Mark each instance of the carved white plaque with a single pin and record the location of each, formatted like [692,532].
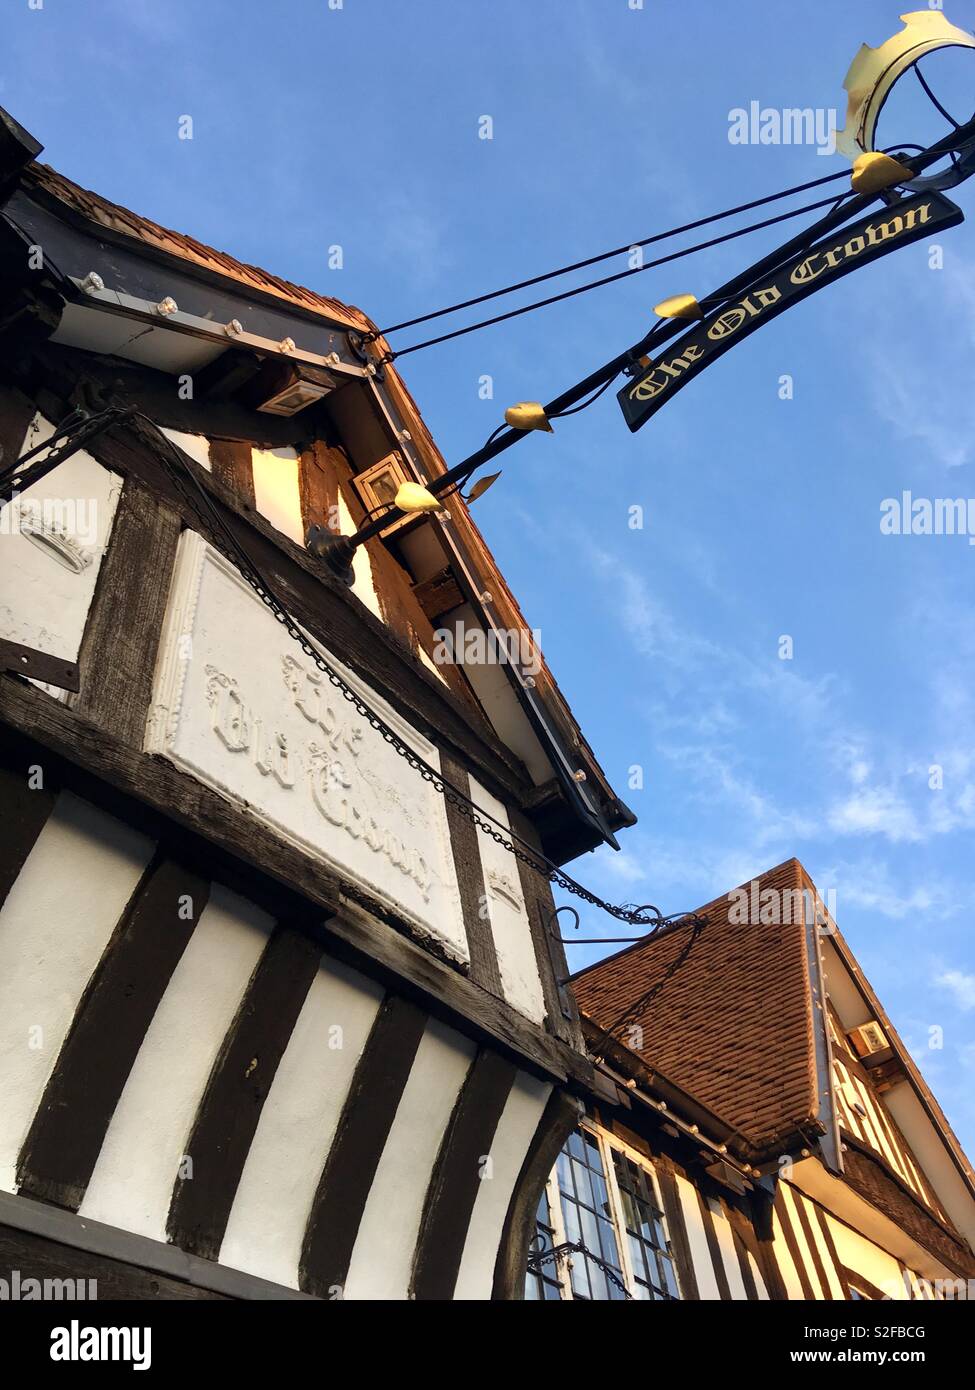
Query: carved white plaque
[239,706]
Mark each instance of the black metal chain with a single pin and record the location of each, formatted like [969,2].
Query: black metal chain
[644,1000]
[231,550]
[569,1247]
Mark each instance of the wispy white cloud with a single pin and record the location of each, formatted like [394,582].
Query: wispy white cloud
[875,811]
[960,985]
[869,884]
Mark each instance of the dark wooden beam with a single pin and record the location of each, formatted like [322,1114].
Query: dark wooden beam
[760,1205]
[24,809]
[470,880]
[438,594]
[560,1116]
[41,1259]
[108,1029]
[363,1128]
[457,1176]
[232,464]
[318,486]
[80,1248]
[121,638]
[16,413]
[239,1084]
[714,1249]
[677,1227]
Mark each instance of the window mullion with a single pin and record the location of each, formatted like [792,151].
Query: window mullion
[559,1237]
[619,1220]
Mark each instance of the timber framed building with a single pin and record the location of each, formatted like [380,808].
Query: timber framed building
[759,1131]
[276,1018]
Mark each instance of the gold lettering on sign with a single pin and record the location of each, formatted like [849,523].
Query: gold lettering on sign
[731,320]
[750,307]
[649,386]
[873,235]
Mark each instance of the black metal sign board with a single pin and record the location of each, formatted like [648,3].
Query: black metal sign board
[819,265]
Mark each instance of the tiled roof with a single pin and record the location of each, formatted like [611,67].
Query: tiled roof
[120,220]
[733,1026]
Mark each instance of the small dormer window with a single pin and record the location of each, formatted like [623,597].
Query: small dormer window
[868,1039]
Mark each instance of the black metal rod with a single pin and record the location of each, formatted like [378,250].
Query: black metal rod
[14,483]
[341,548]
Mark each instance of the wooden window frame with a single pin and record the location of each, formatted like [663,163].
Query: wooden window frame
[606,1144]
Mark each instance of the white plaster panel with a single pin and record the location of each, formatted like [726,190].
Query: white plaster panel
[364,584]
[707,1284]
[297,1125]
[760,1288]
[196,445]
[132,1182]
[57,919]
[276,490]
[52,540]
[861,1256]
[508,914]
[238,706]
[514,1134]
[829,1267]
[382,1260]
[726,1244]
[784,1260]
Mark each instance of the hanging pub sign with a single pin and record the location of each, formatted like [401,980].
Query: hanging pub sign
[818,265]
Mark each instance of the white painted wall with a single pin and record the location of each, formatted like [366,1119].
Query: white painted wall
[517,1125]
[196,445]
[382,1259]
[46,589]
[364,585]
[297,1125]
[508,914]
[132,1183]
[707,1284]
[56,922]
[276,490]
[726,1244]
[863,1257]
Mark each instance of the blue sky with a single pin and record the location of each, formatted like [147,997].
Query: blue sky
[358,126]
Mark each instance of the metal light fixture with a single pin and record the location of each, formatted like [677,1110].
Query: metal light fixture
[873,172]
[283,387]
[527,415]
[679,306]
[412,497]
[167,306]
[338,551]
